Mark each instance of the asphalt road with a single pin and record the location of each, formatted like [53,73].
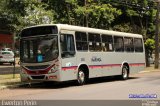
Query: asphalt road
[107,88]
[8,69]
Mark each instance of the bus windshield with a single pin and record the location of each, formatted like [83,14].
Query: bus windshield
[39,49]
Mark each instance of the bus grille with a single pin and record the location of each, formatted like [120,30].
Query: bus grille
[38,77]
[37,67]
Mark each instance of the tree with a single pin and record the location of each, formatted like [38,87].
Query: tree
[7,19]
[123,27]
[138,16]
[16,14]
[37,13]
[100,15]
[135,16]
[149,47]
[74,12]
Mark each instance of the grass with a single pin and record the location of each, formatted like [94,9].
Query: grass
[8,80]
[9,76]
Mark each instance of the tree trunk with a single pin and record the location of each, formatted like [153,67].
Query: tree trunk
[146,57]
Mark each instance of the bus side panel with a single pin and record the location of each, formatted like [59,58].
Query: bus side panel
[100,63]
[95,64]
[111,63]
[138,63]
[92,60]
[68,69]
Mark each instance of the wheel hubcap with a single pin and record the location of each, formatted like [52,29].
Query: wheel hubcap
[125,73]
[81,76]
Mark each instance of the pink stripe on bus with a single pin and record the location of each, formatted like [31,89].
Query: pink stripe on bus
[102,66]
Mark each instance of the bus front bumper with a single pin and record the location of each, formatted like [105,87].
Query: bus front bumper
[39,78]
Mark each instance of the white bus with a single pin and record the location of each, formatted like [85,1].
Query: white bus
[59,52]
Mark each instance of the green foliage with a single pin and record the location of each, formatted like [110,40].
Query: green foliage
[102,15]
[73,2]
[131,12]
[127,15]
[124,27]
[36,13]
[7,19]
[98,15]
[150,43]
[16,14]
[135,16]
[150,46]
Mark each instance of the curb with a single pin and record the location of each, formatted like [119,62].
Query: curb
[16,85]
[149,71]
[3,87]
[10,86]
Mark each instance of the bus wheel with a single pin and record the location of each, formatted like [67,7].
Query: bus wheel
[81,77]
[125,73]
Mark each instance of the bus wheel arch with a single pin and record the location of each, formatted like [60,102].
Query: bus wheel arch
[82,74]
[125,71]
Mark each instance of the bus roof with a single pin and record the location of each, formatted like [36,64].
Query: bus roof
[89,30]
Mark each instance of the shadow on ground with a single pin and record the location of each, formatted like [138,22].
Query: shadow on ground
[66,84]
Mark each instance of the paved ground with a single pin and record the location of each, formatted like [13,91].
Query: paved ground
[107,88]
[9,69]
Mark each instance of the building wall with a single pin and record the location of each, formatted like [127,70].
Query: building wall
[6,40]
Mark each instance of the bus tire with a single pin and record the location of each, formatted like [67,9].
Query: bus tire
[125,72]
[81,77]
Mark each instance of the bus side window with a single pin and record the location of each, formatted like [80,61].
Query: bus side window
[128,44]
[138,45]
[107,43]
[81,41]
[94,42]
[118,44]
[67,45]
